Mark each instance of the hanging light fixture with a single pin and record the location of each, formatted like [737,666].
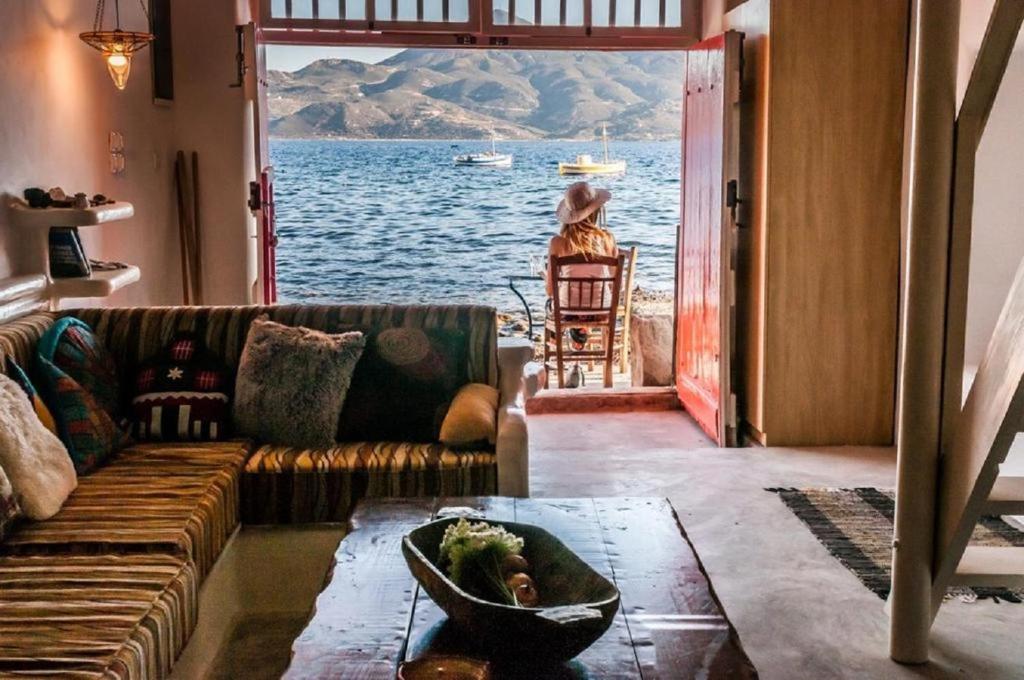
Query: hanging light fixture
[117,46]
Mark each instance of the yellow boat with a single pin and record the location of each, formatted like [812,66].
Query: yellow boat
[586,165]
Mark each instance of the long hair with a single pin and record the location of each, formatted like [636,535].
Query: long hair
[588,237]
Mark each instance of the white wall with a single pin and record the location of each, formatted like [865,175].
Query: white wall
[58,106]
[997,244]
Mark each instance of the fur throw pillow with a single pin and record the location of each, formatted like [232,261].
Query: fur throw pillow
[37,464]
[292,382]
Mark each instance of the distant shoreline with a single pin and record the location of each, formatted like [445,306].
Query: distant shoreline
[474,139]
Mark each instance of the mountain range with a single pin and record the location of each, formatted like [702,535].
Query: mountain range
[474,94]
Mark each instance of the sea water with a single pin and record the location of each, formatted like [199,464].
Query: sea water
[397,221]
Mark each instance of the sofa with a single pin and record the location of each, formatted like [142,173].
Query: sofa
[109,586]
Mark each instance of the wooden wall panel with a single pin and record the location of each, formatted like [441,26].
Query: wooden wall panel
[836,127]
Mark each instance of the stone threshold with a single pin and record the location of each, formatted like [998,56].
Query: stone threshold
[591,400]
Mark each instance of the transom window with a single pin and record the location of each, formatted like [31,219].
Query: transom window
[577,24]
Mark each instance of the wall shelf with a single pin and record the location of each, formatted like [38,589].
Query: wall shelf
[44,218]
[38,221]
[100,284]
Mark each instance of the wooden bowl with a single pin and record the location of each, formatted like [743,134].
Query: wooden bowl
[577,605]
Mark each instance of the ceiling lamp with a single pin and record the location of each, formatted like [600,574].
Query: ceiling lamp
[117,46]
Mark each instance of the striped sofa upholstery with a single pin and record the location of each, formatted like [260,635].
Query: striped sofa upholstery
[284,485]
[122,617]
[18,338]
[175,498]
[136,334]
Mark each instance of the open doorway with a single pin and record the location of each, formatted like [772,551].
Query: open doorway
[418,226]
[373,203]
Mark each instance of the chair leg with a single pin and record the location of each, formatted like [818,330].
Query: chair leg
[609,354]
[559,350]
[547,359]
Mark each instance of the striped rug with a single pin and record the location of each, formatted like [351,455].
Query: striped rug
[856,525]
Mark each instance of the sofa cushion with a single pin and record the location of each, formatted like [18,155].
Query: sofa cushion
[79,383]
[403,385]
[16,373]
[9,509]
[292,382]
[283,485]
[105,616]
[179,498]
[182,394]
[472,420]
[34,460]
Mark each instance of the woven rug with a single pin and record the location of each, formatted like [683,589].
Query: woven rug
[855,525]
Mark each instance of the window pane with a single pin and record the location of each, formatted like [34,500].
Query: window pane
[355,9]
[277,9]
[329,9]
[674,12]
[624,13]
[500,13]
[302,9]
[599,12]
[407,10]
[524,12]
[458,10]
[574,12]
[382,9]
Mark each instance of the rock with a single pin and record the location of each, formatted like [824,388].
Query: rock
[650,349]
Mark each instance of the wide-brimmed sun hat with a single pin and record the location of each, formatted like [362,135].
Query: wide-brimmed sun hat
[580,202]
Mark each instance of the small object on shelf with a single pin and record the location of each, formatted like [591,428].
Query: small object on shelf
[37,198]
[67,257]
[106,266]
[81,201]
[100,199]
[60,199]
[24,216]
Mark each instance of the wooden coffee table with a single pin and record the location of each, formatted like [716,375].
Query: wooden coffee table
[372,614]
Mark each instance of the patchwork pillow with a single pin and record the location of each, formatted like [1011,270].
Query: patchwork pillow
[404,384]
[472,419]
[85,422]
[292,382]
[18,375]
[72,346]
[181,395]
[33,459]
[9,508]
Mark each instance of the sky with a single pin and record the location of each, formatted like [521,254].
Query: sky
[292,58]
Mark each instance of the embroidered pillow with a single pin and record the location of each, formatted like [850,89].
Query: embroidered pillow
[85,421]
[18,375]
[403,385]
[182,395]
[9,509]
[292,383]
[32,458]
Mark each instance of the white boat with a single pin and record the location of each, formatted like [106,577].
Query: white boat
[586,165]
[487,159]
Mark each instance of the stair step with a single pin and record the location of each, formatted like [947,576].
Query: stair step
[1007,497]
[991,566]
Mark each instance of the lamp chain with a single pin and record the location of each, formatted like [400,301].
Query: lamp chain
[98,21]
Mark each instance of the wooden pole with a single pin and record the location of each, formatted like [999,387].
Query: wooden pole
[179,183]
[928,178]
[197,254]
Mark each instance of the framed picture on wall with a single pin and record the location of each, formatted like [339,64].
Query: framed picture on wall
[163,63]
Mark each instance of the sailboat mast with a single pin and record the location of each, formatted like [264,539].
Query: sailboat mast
[604,138]
[493,149]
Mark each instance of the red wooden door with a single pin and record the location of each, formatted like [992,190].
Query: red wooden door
[261,191]
[705,267]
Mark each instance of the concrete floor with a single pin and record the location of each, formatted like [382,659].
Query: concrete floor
[799,613]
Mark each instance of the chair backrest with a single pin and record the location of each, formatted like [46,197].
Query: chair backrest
[586,284]
[628,279]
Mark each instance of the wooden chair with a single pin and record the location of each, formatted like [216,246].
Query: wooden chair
[582,302]
[625,310]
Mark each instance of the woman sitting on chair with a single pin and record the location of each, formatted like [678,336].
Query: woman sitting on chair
[583,232]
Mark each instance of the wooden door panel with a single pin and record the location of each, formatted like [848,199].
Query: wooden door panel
[705,265]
